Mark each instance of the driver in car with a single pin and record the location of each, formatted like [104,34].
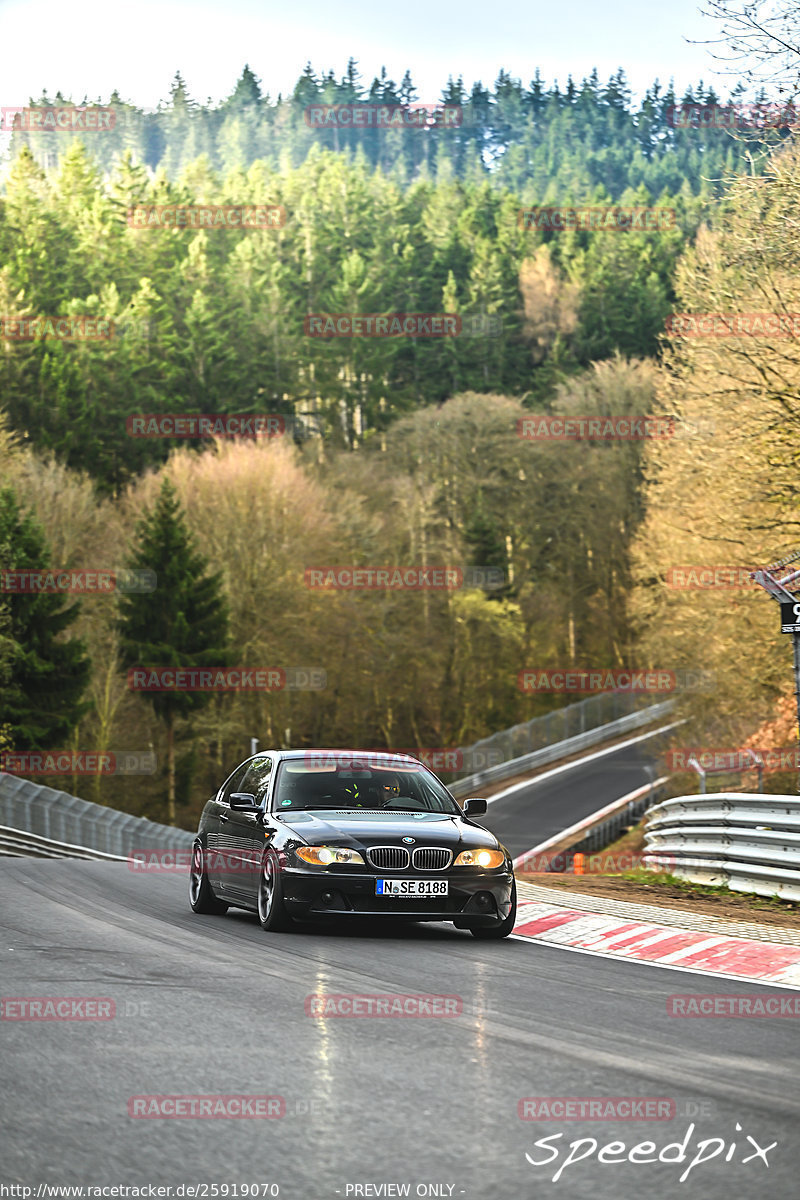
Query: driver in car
[390,790]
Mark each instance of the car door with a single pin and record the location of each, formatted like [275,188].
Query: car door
[219,840]
[244,833]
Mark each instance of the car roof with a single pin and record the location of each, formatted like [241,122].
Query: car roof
[393,755]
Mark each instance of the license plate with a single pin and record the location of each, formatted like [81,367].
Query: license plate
[411,887]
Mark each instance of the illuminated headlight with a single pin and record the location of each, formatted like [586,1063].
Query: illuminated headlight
[323,856]
[480,858]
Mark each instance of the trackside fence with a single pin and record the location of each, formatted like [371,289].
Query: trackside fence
[577,731]
[67,821]
[61,824]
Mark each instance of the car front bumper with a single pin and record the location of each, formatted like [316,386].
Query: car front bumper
[476,898]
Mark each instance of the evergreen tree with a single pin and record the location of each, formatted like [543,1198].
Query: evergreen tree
[45,673]
[182,623]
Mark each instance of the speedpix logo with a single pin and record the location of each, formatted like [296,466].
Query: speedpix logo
[616,1152]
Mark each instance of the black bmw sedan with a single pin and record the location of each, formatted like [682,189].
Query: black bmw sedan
[344,833]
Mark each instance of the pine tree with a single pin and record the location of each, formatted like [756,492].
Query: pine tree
[182,623]
[45,673]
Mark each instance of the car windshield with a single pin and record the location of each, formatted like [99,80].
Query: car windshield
[344,784]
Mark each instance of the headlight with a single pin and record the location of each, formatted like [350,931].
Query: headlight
[480,858]
[323,856]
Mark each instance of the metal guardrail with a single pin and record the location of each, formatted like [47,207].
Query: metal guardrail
[18,843]
[562,724]
[592,832]
[67,820]
[747,841]
[59,819]
[573,745]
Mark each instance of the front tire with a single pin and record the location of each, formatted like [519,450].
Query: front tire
[502,928]
[271,910]
[201,894]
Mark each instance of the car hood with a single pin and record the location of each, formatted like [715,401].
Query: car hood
[378,828]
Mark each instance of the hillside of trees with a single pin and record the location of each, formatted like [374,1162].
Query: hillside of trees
[214,320]
[546,143]
[396,450]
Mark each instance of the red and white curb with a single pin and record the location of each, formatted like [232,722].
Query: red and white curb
[659,945]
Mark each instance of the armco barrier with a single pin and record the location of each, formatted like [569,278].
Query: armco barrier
[573,745]
[748,841]
[67,820]
[19,843]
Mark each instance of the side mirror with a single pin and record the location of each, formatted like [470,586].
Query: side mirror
[244,802]
[475,807]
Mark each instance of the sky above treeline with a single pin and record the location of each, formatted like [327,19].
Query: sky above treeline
[87,50]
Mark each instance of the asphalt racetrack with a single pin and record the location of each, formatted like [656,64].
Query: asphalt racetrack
[544,807]
[371,1105]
